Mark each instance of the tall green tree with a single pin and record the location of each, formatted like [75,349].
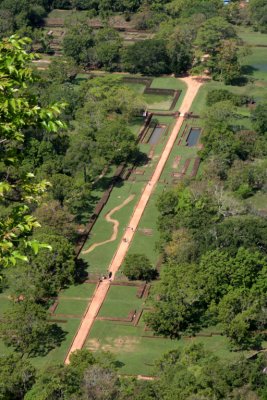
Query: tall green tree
[18,113]
[259,118]
[258,9]
[16,377]
[138,266]
[78,43]
[212,32]
[47,272]
[148,57]
[26,329]
[108,44]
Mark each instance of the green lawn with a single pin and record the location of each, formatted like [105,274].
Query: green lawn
[74,307]
[255,68]
[257,62]
[148,221]
[100,258]
[136,124]
[158,101]
[250,37]
[58,354]
[136,87]
[85,291]
[168,83]
[120,301]
[138,353]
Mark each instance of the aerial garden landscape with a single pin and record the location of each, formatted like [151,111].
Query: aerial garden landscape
[133,200]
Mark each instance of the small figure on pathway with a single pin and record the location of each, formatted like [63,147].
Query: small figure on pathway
[110,274]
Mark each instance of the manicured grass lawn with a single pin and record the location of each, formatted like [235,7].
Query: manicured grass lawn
[183,151]
[136,124]
[120,301]
[136,87]
[257,90]
[158,101]
[142,243]
[85,291]
[250,37]
[74,307]
[139,353]
[258,61]
[168,83]
[100,258]
[58,354]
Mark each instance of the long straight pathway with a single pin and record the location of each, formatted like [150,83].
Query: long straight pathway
[193,85]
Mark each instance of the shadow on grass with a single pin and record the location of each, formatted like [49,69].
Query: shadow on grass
[103,183]
[48,340]
[86,209]
[81,273]
[245,77]
[118,364]
[141,159]
[240,81]
[248,70]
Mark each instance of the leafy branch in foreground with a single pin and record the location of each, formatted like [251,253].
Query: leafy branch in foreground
[19,112]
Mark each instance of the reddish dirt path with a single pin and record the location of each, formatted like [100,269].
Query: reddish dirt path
[193,85]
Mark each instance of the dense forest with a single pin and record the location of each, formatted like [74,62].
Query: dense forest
[62,137]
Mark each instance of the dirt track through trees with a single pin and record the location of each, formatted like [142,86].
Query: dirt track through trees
[115,223]
[193,84]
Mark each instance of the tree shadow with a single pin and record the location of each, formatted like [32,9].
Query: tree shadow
[81,273]
[103,183]
[86,210]
[245,77]
[141,159]
[242,80]
[153,275]
[49,339]
[248,69]
[118,364]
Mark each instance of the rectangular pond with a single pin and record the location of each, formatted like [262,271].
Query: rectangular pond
[193,137]
[156,134]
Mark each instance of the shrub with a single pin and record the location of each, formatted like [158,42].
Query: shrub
[217,95]
[138,267]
